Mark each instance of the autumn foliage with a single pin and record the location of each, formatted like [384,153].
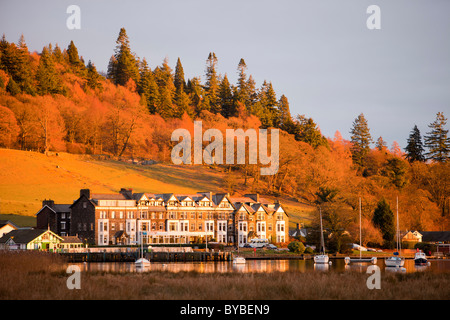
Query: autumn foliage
[52,102]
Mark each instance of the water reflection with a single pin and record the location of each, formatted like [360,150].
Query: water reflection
[263,266]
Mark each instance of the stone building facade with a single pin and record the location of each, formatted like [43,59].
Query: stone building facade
[126,218]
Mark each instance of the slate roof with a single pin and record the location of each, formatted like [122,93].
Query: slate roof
[70,239]
[61,208]
[108,196]
[6,222]
[435,236]
[22,235]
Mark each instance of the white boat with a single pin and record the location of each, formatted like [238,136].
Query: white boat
[396,260]
[420,259]
[321,258]
[239,260]
[349,260]
[142,263]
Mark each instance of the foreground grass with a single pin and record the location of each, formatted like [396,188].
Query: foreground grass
[34,275]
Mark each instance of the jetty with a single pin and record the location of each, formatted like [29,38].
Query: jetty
[152,256]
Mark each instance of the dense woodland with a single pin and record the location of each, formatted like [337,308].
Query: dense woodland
[55,101]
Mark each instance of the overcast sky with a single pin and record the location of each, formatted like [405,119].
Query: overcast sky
[319,53]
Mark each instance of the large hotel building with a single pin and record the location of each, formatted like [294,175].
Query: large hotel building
[126,218]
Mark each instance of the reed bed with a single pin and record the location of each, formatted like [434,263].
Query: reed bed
[40,276]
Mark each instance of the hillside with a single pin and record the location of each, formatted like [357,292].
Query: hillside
[27,178]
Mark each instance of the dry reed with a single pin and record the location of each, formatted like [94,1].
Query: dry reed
[33,275]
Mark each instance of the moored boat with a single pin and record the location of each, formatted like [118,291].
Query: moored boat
[239,260]
[349,260]
[323,257]
[396,260]
[420,259]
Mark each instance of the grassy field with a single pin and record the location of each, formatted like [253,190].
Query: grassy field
[37,275]
[27,178]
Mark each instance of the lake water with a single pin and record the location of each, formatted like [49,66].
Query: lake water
[261,266]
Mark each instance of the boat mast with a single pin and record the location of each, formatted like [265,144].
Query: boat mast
[322,241]
[360,236]
[398,233]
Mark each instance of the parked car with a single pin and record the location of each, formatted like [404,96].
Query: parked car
[271,246]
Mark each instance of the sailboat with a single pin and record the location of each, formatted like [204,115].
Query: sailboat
[142,263]
[238,259]
[323,257]
[396,260]
[372,260]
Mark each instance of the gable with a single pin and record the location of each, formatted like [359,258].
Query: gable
[46,207]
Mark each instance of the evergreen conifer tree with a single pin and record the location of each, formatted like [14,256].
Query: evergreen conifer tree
[48,80]
[179,81]
[127,65]
[93,77]
[361,139]
[383,218]
[76,64]
[414,148]
[242,92]
[212,84]
[226,98]
[381,144]
[437,141]
[284,120]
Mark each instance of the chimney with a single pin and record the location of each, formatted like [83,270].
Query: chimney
[48,202]
[253,196]
[127,192]
[85,192]
[206,194]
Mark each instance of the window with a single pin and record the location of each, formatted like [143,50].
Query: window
[209,226]
[280,227]
[172,226]
[63,215]
[84,205]
[184,226]
[222,226]
[121,214]
[113,226]
[113,215]
[63,225]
